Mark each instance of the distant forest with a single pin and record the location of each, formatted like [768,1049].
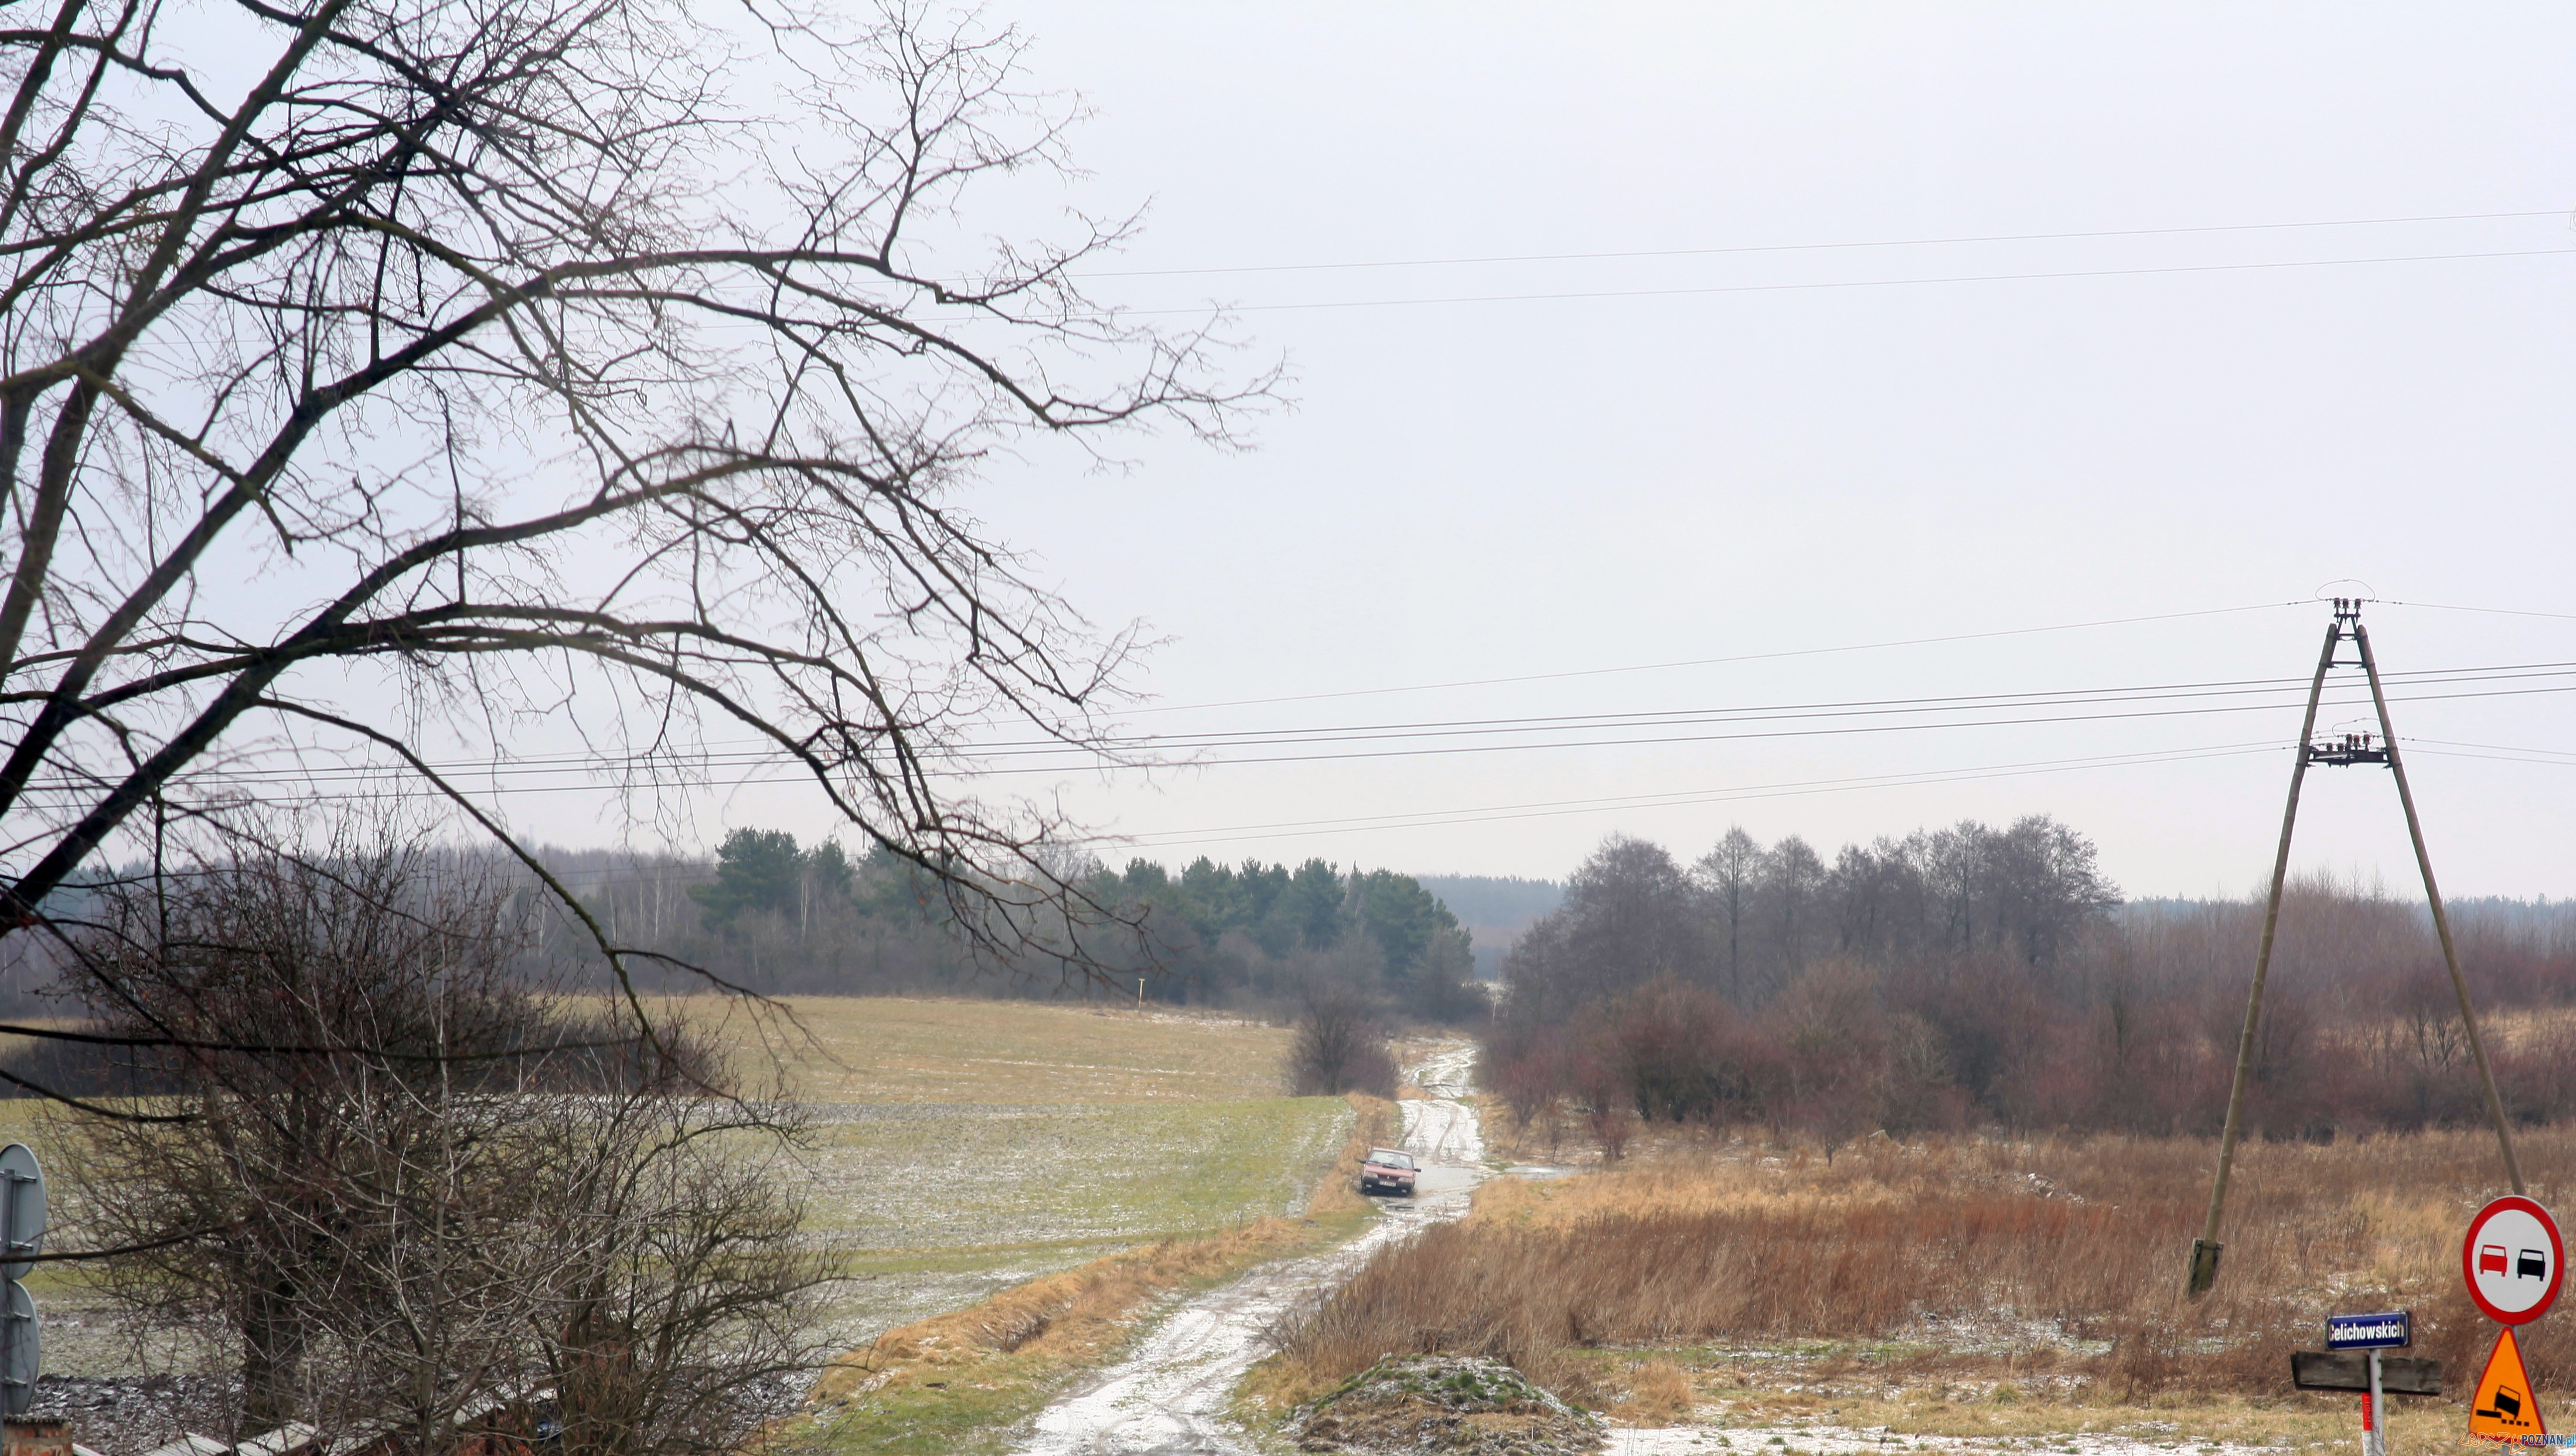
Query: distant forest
[1494,910]
[1964,976]
[1975,976]
[775,916]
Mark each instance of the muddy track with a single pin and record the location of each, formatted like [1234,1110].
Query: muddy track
[1169,1397]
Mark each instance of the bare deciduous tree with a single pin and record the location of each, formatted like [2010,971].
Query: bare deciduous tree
[1727,876]
[1341,1043]
[382,380]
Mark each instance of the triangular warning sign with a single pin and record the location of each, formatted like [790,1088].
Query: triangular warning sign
[2505,1408]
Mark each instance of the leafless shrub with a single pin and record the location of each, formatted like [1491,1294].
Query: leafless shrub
[405,1186]
[1341,1044]
[1611,1125]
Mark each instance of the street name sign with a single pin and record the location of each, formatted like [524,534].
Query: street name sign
[2513,1260]
[2388,1331]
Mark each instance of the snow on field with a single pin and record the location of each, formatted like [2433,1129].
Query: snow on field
[939,1205]
[1821,1440]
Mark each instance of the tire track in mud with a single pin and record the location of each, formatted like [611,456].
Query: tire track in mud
[1169,1397]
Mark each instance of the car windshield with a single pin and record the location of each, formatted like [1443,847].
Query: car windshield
[1385,1159]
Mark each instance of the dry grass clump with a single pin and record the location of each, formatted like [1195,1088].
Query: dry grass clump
[1659,1394]
[2072,1250]
[1072,1317]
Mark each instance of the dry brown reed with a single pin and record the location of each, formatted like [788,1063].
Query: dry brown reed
[1658,1394]
[1075,1316]
[2075,1247]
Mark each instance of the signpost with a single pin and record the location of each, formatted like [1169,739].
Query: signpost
[2353,1362]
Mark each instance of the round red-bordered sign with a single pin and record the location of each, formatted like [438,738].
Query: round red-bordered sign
[2513,1260]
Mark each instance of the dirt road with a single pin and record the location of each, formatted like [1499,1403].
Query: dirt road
[1169,1398]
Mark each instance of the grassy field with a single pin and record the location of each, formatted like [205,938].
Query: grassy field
[893,1049]
[963,1147]
[1982,1289]
[934,1206]
[962,1381]
[959,1148]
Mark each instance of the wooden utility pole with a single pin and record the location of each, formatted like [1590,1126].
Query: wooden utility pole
[2353,749]
[2206,1249]
[2441,918]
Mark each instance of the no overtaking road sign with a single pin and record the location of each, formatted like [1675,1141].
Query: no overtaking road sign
[2513,1260]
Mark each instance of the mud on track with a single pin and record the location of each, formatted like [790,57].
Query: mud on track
[1169,1397]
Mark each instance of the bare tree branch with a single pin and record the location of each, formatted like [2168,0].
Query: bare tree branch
[447,363]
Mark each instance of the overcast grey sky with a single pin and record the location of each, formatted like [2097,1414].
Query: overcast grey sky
[1610,462]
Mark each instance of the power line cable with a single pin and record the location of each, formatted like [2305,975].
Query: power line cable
[787,772]
[1485,682]
[1179,839]
[1669,740]
[1846,708]
[1433,818]
[1710,290]
[2489,611]
[660,765]
[2494,747]
[1828,709]
[2159,232]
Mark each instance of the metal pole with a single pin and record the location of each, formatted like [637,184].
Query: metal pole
[2441,919]
[2374,1415]
[2206,1248]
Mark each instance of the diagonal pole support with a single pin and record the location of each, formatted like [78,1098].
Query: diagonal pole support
[2441,919]
[2205,1249]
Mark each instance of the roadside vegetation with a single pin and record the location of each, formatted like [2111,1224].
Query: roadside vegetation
[386,1188]
[1947,1286]
[1975,978]
[947,1152]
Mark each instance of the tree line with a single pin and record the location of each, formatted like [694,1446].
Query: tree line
[775,916]
[1980,975]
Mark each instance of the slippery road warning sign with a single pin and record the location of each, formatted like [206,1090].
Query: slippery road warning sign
[2513,1260]
[2504,1408]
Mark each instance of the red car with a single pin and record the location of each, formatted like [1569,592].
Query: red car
[1387,1171]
